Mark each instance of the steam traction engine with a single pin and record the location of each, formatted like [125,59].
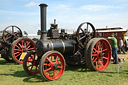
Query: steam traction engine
[13,46]
[54,49]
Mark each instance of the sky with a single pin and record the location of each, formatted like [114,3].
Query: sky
[69,13]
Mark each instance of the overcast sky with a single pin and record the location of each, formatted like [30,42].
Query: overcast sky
[68,13]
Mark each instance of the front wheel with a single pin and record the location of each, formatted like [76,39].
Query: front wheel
[31,63]
[52,65]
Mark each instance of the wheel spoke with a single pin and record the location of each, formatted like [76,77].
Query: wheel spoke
[7,38]
[31,49]
[82,30]
[18,55]
[31,68]
[28,47]
[17,33]
[49,72]
[58,62]
[105,58]
[12,30]
[87,27]
[20,45]
[95,59]
[17,49]
[36,68]
[53,73]
[32,57]
[96,64]
[17,46]
[94,54]
[7,32]
[103,53]
[101,65]
[27,44]
[47,69]
[15,37]
[99,61]
[56,71]
[45,64]
[82,38]
[12,39]
[49,60]
[98,48]
[104,50]
[56,58]
[59,67]
[29,61]
[101,46]
[94,50]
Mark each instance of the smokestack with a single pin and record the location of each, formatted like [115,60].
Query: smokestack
[43,21]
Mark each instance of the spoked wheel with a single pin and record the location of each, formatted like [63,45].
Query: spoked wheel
[11,33]
[6,57]
[85,32]
[20,48]
[5,54]
[31,63]
[98,55]
[52,65]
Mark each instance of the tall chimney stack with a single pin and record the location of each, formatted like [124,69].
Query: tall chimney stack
[43,21]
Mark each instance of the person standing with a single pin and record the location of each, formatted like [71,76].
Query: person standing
[126,45]
[121,44]
[114,48]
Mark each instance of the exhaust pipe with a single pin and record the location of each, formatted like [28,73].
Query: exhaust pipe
[43,21]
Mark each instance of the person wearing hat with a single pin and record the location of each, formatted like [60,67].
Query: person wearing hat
[114,48]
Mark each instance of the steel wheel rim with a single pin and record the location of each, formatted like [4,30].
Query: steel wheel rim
[32,64]
[101,55]
[53,68]
[19,47]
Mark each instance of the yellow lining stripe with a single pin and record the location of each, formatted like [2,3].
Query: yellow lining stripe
[63,46]
[52,45]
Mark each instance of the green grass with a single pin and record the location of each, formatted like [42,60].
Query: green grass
[13,74]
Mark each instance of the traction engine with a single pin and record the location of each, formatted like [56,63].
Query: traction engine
[56,49]
[13,45]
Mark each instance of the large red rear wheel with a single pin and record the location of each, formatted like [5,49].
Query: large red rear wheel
[31,63]
[20,48]
[52,65]
[98,55]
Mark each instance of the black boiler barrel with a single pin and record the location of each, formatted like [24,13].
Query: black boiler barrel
[63,47]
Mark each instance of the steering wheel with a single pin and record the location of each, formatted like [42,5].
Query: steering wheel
[85,32]
[11,33]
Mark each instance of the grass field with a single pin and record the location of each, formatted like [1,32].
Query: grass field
[13,74]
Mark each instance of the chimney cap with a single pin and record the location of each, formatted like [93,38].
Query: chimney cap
[43,4]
